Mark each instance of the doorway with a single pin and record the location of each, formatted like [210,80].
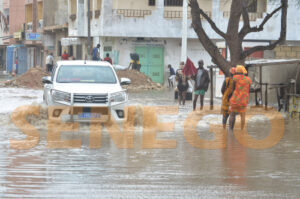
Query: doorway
[152,62]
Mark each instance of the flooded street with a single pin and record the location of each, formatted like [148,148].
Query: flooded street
[176,168]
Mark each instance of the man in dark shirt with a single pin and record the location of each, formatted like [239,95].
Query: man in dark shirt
[201,84]
[96,53]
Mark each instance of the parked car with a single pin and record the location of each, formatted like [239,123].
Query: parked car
[85,91]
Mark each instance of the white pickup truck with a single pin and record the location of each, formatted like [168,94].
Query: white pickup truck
[85,91]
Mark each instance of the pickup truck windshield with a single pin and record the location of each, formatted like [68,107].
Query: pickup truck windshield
[86,74]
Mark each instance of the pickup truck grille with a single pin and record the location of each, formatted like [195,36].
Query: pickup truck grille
[91,99]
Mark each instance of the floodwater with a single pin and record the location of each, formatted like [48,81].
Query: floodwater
[176,167]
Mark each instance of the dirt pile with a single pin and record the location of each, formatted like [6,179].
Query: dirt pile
[139,81]
[31,79]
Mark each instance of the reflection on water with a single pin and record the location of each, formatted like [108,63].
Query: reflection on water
[106,171]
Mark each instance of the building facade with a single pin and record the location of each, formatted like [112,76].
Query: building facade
[153,29]
[3,28]
[55,27]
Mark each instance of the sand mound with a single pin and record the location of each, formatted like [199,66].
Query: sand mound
[31,79]
[139,81]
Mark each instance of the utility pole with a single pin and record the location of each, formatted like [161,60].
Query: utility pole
[89,31]
[184,31]
[34,27]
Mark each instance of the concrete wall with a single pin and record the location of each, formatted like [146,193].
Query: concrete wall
[17,15]
[132,4]
[55,12]
[226,4]
[292,52]
[143,5]
[172,49]
[113,24]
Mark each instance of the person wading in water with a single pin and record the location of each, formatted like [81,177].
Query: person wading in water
[182,86]
[227,89]
[240,97]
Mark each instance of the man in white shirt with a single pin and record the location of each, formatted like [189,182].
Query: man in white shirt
[49,62]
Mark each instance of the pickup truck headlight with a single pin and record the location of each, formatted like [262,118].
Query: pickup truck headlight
[60,96]
[118,97]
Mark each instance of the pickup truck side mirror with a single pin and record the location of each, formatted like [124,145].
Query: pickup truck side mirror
[47,80]
[125,81]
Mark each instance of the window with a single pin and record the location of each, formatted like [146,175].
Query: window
[252,6]
[173,2]
[151,2]
[86,74]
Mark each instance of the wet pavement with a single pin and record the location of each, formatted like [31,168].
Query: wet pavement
[180,171]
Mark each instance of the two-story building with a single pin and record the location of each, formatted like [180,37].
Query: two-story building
[34,33]
[153,29]
[23,41]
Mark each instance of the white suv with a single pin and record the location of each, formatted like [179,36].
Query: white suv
[85,91]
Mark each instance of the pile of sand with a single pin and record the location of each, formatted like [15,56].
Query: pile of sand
[139,81]
[31,79]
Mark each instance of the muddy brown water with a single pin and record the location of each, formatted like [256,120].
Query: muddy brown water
[184,171]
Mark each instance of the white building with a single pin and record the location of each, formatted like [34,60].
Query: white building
[153,29]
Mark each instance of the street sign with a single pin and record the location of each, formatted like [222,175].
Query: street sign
[70,41]
[33,36]
[18,35]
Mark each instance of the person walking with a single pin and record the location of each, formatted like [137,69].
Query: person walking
[172,76]
[50,62]
[180,68]
[182,86]
[65,56]
[240,97]
[227,89]
[107,58]
[202,81]
[96,53]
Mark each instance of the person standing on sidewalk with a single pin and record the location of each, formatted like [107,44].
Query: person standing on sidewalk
[49,62]
[240,97]
[96,53]
[171,78]
[107,58]
[182,87]
[202,81]
[65,56]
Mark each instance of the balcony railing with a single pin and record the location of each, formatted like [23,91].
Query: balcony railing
[178,14]
[133,12]
[252,15]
